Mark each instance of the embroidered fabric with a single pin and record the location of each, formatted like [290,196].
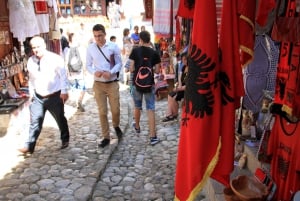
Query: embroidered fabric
[161,18]
[22,20]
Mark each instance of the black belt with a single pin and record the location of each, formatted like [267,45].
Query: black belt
[47,96]
[116,80]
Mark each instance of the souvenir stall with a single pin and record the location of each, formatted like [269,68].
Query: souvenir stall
[269,116]
[164,28]
[19,21]
[283,140]
[267,121]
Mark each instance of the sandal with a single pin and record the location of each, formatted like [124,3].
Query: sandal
[169,118]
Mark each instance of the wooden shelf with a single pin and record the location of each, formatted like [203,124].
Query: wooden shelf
[6,43]
[73,7]
[66,7]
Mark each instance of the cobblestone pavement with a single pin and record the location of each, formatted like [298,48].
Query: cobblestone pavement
[139,171]
[127,170]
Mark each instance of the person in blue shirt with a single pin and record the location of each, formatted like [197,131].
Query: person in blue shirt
[135,38]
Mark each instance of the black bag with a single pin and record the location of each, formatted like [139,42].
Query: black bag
[74,62]
[144,79]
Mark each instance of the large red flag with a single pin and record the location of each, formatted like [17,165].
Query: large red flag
[214,86]
[199,142]
[230,65]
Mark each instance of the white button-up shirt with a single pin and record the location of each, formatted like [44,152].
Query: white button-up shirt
[95,61]
[47,75]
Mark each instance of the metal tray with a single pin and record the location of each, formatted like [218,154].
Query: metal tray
[7,109]
[12,102]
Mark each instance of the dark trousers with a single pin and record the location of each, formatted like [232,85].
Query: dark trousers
[38,108]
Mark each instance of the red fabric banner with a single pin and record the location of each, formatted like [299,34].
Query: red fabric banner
[199,142]
[231,66]
[148,4]
[185,9]
[213,90]
[287,91]
[263,9]
[283,149]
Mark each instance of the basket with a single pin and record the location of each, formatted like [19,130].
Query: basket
[248,188]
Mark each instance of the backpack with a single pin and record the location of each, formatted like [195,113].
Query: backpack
[74,62]
[144,78]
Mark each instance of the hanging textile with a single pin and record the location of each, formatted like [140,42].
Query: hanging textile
[231,84]
[43,19]
[196,160]
[148,9]
[263,10]
[22,19]
[186,9]
[161,19]
[40,7]
[214,88]
[260,74]
[246,11]
[283,147]
[287,92]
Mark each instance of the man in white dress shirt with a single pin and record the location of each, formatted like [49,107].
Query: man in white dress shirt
[48,87]
[99,57]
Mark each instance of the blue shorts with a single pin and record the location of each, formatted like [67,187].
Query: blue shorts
[78,84]
[149,99]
